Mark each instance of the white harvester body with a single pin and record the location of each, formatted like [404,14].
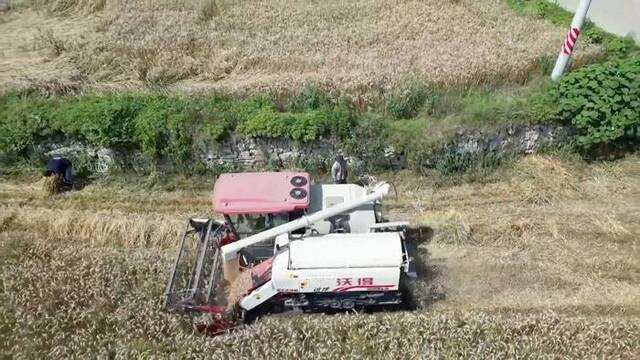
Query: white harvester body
[333,263]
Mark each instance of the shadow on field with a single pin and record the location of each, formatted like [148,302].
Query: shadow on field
[428,286]
[80,183]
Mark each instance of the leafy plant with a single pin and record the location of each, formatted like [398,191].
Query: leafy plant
[367,144]
[311,97]
[21,120]
[302,127]
[602,101]
[165,127]
[265,123]
[408,99]
[159,127]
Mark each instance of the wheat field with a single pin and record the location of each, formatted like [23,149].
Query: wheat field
[355,47]
[541,262]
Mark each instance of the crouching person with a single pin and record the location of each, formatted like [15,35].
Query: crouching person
[58,176]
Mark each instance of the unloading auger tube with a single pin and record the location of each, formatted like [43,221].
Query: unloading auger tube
[230,251]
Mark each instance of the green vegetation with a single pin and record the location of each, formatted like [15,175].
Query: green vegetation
[172,127]
[406,100]
[301,126]
[162,126]
[602,101]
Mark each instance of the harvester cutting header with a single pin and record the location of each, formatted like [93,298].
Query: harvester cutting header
[286,244]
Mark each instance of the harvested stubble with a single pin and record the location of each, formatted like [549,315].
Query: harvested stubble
[453,229]
[353,47]
[576,250]
[545,180]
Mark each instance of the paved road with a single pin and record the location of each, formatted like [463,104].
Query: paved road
[620,17]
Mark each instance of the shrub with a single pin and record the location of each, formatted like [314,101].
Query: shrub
[265,123]
[312,116]
[215,115]
[106,120]
[237,111]
[22,120]
[161,129]
[162,126]
[621,47]
[302,127]
[602,101]
[367,143]
[307,126]
[408,99]
[311,97]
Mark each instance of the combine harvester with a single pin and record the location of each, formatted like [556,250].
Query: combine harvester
[301,247]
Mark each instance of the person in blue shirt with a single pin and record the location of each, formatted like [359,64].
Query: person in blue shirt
[59,166]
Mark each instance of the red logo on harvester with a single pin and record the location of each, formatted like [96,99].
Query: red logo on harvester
[364,283]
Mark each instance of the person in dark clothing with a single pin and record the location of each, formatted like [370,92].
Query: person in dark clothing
[59,166]
[339,224]
[339,170]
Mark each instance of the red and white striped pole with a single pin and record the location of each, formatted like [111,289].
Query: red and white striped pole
[571,39]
